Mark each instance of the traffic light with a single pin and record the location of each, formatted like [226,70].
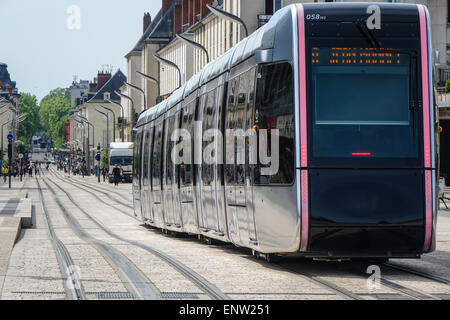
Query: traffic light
[78,151]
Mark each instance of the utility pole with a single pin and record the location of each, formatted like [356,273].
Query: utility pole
[98,164]
[10,155]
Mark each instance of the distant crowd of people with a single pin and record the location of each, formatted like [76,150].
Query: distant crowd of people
[18,170]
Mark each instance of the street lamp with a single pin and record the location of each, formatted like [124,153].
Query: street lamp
[169,63]
[195,44]
[140,90]
[107,125]
[128,98]
[228,16]
[114,122]
[123,112]
[148,77]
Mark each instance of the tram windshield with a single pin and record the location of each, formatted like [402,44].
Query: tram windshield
[124,161]
[361,104]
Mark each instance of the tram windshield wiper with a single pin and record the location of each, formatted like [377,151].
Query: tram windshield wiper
[415,104]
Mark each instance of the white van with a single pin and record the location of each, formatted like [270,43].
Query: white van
[121,153]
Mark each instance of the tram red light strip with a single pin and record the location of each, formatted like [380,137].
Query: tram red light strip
[426,128]
[361,154]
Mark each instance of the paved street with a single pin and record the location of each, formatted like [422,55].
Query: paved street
[111,255]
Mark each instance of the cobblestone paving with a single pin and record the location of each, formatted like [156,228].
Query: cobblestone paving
[34,273]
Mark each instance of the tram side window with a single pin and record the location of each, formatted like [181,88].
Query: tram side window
[274,109]
[156,158]
[145,151]
[187,121]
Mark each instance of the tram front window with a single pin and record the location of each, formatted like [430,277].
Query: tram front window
[361,105]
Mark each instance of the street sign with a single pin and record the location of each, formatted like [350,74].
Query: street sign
[79,160]
[20,155]
[97,157]
[10,137]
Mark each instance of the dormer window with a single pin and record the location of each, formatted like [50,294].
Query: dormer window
[107,96]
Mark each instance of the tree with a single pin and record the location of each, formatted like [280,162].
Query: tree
[54,111]
[29,107]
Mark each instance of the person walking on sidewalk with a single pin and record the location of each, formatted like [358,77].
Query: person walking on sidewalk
[116,174]
[5,173]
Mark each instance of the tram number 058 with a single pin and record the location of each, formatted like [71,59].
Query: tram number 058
[315,16]
[246,309]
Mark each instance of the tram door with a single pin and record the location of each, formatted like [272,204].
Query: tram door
[210,207]
[239,175]
[186,170]
[137,170]
[170,190]
[202,170]
[145,176]
[157,199]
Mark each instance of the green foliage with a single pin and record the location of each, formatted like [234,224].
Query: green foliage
[54,111]
[447,86]
[28,106]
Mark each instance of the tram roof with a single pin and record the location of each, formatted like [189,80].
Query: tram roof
[261,39]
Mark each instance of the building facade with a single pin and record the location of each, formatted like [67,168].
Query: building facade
[9,108]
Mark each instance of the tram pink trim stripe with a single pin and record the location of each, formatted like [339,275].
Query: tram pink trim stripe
[302,72]
[303,129]
[426,126]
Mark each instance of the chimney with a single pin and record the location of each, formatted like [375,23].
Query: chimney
[185,14]
[177,18]
[93,86]
[103,78]
[203,9]
[147,20]
[165,6]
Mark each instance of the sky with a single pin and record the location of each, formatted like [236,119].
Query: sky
[45,43]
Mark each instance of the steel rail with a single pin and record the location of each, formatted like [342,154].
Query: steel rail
[98,190]
[209,288]
[323,283]
[65,261]
[417,273]
[95,186]
[98,198]
[139,285]
[413,293]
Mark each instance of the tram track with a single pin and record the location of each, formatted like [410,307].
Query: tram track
[99,198]
[401,289]
[72,285]
[417,273]
[134,279]
[207,287]
[101,190]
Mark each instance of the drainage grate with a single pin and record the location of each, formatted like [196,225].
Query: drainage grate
[112,295]
[179,295]
[39,292]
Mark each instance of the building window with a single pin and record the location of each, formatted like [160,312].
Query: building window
[448,55]
[277,4]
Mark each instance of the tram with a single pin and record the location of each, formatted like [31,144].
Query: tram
[348,102]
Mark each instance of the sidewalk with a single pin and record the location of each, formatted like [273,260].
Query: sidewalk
[15,213]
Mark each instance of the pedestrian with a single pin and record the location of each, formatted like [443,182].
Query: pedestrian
[116,174]
[5,173]
[121,173]
[104,173]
